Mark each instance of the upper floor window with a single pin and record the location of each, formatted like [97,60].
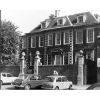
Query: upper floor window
[81,19]
[41,41]
[66,37]
[23,43]
[90,35]
[79,37]
[33,42]
[50,39]
[58,39]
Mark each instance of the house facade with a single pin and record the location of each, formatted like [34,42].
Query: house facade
[61,40]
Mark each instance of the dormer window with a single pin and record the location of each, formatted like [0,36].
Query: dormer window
[43,25]
[60,22]
[81,19]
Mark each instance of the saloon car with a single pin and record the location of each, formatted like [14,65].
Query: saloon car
[6,78]
[18,83]
[28,82]
[56,82]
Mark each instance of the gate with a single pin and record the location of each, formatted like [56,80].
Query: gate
[91,72]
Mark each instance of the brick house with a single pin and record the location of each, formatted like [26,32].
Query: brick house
[60,40]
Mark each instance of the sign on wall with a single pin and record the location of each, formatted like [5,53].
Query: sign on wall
[98,62]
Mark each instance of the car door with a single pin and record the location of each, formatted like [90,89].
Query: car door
[9,78]
[65,83]
[59,83]
[33,82]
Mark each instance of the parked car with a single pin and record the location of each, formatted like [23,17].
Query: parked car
[6,78]
[56,82]
[17,83]
[95,86]
[30,81]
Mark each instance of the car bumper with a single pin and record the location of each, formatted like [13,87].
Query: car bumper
[45,88]
[19,86]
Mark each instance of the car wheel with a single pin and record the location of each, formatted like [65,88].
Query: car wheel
[27,87]
[56,88]
[70,87]
[16,87]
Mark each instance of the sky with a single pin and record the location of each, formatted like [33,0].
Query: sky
[27,14]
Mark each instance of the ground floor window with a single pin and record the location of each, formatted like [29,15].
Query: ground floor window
[58,60]
[65,58]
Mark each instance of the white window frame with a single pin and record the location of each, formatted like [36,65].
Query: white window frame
[23,43]
[87,35]
[84,18]
[39,41]
[64,37]
[42,25]
[32,41]
[56,38]
[58,23]
[76,36]
[48,40]
[61,62]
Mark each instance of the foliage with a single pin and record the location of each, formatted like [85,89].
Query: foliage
[9,41]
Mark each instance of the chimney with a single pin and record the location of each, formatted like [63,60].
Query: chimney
[57,13]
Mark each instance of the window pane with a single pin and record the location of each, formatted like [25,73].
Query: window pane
[58,80]
[58,59]
[90,35]
[50,39]
[64,79]
[58,38]
[41,41]
[8,75]
[4,75]
[33,42]
[65,58]
[80,19]
[67,38]
[23,43]
[79,37]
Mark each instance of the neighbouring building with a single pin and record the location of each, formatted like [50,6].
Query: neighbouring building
[60,41]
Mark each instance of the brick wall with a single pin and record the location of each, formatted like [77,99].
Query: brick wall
[68,70]
[15,70]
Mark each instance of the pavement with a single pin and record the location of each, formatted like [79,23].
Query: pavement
[80,87]
[74,87]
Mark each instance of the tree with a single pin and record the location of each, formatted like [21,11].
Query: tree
[9,41]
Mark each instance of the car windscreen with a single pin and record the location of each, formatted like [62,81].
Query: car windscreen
[50,79]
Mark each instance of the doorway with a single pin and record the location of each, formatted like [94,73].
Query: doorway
[91,71]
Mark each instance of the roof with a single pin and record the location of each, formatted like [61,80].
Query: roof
[90,18]
[70,21]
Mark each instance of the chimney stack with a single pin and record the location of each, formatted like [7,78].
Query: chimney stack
[57,13]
